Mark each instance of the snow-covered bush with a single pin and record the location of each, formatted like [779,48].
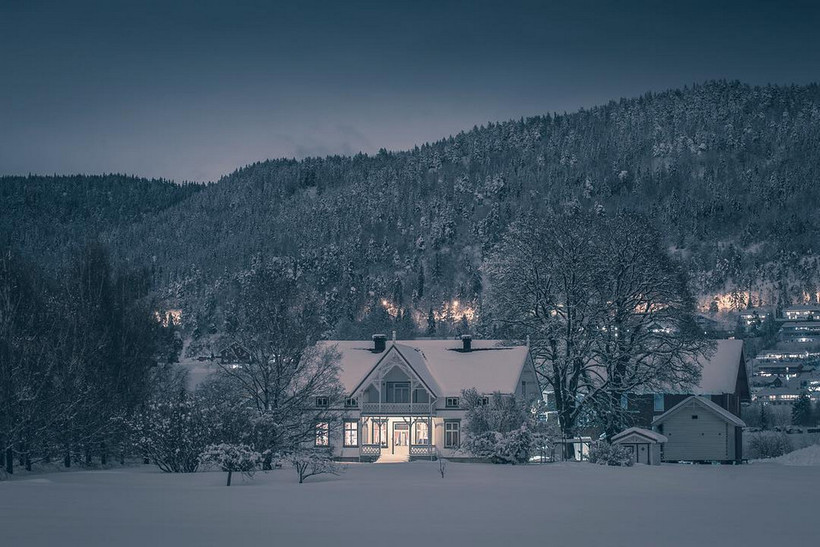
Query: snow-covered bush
[603,453]
[173,432]
[499,428]
[232,458]
[312,461]
[768,444]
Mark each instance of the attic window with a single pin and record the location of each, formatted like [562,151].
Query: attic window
[451,402]
[694,416]
[322,401]
[484,401]
[351,402]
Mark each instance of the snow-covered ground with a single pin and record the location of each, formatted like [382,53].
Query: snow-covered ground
[410,504]
[809,455]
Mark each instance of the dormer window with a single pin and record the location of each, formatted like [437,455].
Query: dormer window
[484,401]
[451,402]
[322,402]
[351,402]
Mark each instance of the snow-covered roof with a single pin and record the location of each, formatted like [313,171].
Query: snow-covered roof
[717,409]
[490,365]
[720,369]
[641,432]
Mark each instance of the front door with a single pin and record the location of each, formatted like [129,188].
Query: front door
[401,438]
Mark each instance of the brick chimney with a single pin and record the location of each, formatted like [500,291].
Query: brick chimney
[379,343]
[466,342]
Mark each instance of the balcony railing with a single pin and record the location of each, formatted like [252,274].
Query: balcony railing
[396,408]
[370,452]
[421,450]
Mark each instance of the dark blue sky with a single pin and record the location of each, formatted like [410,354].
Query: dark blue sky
[194,89]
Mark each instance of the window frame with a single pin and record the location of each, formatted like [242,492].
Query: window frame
[658,403]
[352,402]
[449,400]
[449,431]
[355,431]
[322,402]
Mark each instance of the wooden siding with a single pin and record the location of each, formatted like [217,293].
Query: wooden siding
[707,438]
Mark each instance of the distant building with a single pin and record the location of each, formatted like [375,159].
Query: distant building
[751,318]
[800,332]
[699,430]
[233,354]
[802,313]
[787,354]
[786,369]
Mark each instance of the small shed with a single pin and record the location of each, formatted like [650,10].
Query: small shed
[699,430]
[644,444]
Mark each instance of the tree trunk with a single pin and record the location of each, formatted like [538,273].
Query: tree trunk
[67,457]
[229,477]
[9,461]
[103,454]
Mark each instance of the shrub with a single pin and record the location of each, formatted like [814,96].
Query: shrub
[769,445]
[232,457]
[603,453]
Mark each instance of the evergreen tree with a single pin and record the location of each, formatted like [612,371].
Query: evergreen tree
[802,411]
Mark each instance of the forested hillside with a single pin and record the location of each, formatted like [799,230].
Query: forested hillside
[51,218]
[727,172]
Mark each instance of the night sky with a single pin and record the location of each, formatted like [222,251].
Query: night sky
[193,91]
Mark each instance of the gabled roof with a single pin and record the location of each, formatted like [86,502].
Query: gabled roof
[652,436]
[705,403]
[721,369]
[490,366]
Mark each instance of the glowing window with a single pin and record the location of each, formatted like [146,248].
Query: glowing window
[452,434]
[351,433]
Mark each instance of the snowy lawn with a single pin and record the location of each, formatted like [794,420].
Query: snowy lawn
[410,504]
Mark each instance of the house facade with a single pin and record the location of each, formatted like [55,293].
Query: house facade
[404,398]
[724,381]
[698,430]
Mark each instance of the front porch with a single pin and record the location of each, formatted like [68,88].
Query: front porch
[401,438]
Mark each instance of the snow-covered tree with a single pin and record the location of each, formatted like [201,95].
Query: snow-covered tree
[499,427]
[274,318]
[239,458]
[607,311]
[311,461]
[173,432]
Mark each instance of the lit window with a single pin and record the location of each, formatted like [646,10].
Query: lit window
[451,402]
[452,434]
[659,403]
[322,434]
[377,433]
[322,401]
[421,433]
[351,433]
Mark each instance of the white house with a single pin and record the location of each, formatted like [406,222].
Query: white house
[404,397]
[697,429]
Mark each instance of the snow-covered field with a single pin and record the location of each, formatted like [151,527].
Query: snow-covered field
[410,504]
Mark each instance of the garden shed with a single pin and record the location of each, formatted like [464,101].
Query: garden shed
[644,444]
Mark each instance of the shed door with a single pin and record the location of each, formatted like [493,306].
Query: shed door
[642,455]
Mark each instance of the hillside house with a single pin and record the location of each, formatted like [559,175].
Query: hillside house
[403,398]
[801,313]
